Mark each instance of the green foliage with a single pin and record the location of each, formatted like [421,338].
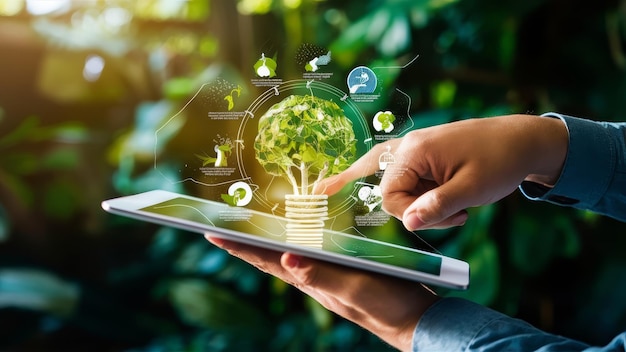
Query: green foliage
[542,240]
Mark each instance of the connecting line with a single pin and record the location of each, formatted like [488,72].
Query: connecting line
[399,67]
[156,133]
[426,243]
[408,114]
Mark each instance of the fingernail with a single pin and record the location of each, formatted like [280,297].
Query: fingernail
[460,218]
[292,261]
[412,222]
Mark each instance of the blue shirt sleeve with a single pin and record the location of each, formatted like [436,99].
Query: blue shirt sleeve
[455,324]
[594,174]
[593,178]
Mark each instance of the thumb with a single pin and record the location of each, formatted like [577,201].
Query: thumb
[441,207]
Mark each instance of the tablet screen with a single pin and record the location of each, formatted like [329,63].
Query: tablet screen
[275,228]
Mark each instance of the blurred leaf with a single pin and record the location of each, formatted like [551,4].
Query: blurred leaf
[61,159]
[473,234]
[569,238]
[67,67]
[82,35]
[152,130]
[198,10]
[484,274]
[208,46]
[126,182]
[385,26]
[602,302]
[473,244]
[531,245]
[70,132]
[432,118]
[61,199]
[24,129]
[259,7]
[201,257]
[21,163]
[397,35]
[323,317]
[191,10]
[37,290]
[5,225]
[212,261]
[18,189]
[203,304]
[178,88]
[164,242]
[31,130]
[350,43]
[243,276]
[277,304]
[507,43]
[534,242]
[443,94]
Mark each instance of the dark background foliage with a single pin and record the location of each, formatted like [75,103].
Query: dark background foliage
[73,277]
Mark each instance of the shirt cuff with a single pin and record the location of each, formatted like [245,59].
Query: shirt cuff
[588,167]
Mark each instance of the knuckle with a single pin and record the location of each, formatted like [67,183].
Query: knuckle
[389,208]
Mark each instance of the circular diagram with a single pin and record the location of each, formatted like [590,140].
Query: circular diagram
[273,154]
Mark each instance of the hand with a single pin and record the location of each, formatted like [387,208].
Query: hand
[441,171]
[386,306]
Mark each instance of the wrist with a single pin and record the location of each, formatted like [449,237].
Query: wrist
[399,331]
[550,150]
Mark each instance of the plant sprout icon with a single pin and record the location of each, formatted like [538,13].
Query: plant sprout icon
[222,150]
[229,98]
[265,67]
[304,139]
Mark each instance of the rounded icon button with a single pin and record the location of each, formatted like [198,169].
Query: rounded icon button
[241,192]
[362,80]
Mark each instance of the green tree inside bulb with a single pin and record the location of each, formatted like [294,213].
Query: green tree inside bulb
[305,137]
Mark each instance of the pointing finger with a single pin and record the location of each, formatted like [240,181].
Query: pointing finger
[366,165]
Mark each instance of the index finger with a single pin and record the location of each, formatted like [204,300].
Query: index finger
[366,165]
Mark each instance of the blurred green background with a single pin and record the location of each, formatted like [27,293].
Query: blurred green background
[84,84]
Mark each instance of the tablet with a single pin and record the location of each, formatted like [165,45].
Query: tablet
[270,231]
